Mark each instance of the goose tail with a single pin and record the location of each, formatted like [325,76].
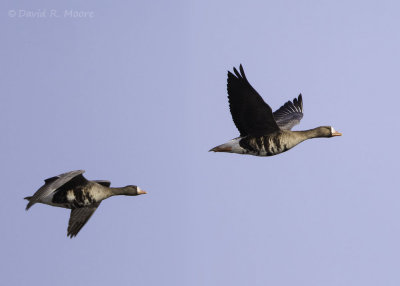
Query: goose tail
[232,146]
[29,204]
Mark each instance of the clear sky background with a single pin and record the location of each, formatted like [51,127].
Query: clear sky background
[136,94]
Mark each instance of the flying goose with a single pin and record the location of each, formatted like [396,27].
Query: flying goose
[73,191]
[263,132]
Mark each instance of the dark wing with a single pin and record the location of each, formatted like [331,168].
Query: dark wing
[52,184]
[79,218]
[250,113]
[103,182]
[289,114]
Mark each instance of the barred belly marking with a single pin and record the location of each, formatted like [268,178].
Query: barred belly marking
[263,145]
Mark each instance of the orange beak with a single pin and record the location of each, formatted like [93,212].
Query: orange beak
[336,133]
[141,192]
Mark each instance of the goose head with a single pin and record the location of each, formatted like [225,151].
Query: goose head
[324,131]
[132,190]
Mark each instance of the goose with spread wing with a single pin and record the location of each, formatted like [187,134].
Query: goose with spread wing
[263,132]
[73,191]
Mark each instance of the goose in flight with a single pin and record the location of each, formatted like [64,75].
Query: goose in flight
[73,191]
[263,132]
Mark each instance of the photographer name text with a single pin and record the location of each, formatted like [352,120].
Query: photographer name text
[50,13]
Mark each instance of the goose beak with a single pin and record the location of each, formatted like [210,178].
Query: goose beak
[336,133]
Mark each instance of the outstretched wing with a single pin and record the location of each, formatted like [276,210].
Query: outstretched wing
[52,184]
[79,218]
[289,114]
[250,113]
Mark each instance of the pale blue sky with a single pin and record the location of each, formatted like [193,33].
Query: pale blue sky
[136,94]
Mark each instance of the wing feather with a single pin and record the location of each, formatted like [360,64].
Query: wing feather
[250,113]
[51,185]
[289,114]
[78,218]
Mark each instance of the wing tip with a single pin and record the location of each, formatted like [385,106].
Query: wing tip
[236,73]
[78,172]
[73,231]
[239,75]
[71,235]
[242,72]
[299,102]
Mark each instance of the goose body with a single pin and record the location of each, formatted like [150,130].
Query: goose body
[263,132]
[73,191]
[79,196]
